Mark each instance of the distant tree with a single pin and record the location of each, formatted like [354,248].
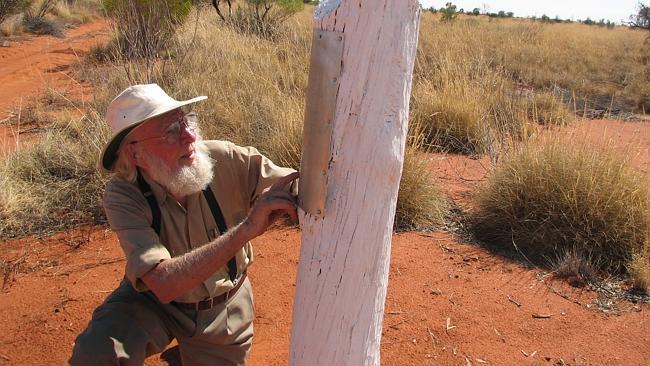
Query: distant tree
[449,12]
[510,14]
[545,18]
[476,11]
[501,14]
[588,21]
[461,11]
[433,10]
[641,19]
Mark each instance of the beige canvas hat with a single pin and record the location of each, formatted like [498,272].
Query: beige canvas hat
[128,110]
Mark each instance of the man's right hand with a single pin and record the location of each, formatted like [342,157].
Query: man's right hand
[271,205]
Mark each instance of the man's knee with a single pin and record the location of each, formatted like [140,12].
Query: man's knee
[102,345]
[93,348]
[120,333]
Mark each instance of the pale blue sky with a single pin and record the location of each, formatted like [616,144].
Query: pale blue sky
[613,10]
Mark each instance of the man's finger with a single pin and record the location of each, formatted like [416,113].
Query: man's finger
[282,182]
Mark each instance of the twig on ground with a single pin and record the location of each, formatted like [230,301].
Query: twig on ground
[513,301]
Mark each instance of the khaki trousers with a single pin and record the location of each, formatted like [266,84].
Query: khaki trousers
[130,326]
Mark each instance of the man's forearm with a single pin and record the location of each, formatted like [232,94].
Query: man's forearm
[176,276]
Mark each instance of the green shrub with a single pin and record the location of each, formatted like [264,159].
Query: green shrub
[553,197]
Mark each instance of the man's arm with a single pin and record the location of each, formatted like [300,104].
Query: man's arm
[176,276]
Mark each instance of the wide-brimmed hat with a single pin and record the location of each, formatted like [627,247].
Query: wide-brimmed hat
[128,110]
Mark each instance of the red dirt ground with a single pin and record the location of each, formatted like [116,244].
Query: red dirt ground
[30,66]
[449,303]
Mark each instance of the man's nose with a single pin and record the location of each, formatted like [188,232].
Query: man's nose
[187,135]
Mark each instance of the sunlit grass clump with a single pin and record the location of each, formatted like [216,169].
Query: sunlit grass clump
[53,184]
[554,198]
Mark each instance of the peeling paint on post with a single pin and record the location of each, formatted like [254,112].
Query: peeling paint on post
[344,260]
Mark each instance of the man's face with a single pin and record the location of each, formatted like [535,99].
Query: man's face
[154,136]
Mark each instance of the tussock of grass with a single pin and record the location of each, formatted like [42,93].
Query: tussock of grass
[54,183]
[552,197]
[420,203]
[547,109]
[639,267]
[575,267]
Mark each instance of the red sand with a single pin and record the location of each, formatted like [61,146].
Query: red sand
[448,303]
[30,66]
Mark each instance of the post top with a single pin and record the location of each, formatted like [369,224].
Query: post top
[325,7]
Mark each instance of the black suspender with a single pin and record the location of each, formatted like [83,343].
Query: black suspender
[151,200]
[221,224]
[214,207]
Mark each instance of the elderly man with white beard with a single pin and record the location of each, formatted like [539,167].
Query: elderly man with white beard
[184,211]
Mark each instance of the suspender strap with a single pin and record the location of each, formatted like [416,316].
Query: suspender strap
[221,224]
[214,207]
[151,200]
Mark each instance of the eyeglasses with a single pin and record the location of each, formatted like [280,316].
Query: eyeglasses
[173,132]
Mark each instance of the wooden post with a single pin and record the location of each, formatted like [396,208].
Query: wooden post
[347,226]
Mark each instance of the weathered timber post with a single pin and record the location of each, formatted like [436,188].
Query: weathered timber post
[356,122]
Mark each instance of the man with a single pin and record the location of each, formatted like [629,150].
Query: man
[183,211]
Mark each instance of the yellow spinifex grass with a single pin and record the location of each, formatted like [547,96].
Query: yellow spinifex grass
[554,196]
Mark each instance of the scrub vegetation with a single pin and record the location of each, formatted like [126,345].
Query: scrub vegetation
[558,203]
[481,86]
[50,17]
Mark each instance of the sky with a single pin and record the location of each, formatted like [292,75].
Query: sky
[613,10]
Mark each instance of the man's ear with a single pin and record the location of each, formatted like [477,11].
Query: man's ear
[133,155]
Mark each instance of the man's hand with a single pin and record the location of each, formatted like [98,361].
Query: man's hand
[271,205]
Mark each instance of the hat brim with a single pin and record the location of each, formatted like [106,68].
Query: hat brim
[109,154]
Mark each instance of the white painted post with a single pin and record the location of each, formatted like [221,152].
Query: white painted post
[344,260]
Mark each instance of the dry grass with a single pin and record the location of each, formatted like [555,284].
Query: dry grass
[639,267]
[553,197]
[420,202]
[256,90]
[605,65]
[53,184]
[59,16]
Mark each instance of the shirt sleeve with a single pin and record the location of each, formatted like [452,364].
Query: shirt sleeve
[260,172]
[129,216]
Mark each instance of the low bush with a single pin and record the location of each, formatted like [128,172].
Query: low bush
[42,26]
[554,197]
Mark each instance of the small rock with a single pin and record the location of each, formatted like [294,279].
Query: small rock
[5,44]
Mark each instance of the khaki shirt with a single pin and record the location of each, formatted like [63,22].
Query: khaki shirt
[240,174]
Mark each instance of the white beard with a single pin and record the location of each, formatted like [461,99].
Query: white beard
[188,179]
